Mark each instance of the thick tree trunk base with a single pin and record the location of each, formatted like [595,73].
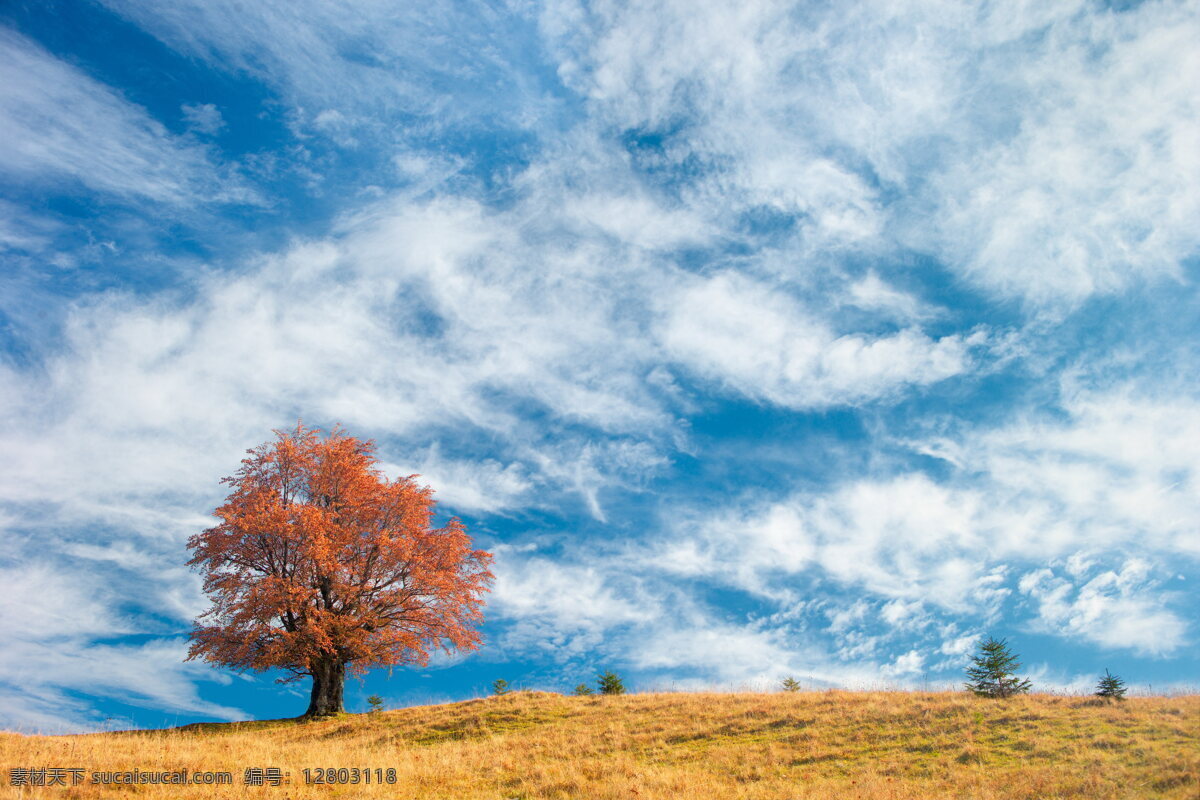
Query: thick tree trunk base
[329,678]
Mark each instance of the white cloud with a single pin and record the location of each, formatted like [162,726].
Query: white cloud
[151,675]
[763,345]
[871,293]
[714,80]
[42,602]
[901,614]
[910,663]
[562,610]
[22,230]
[1116,608]
[51,617]
[368,61]
[1122,469]
[480,486]
[905,539]
[44,711]
[1098,186]
[862,124]
[616,608]
[724,653]
[960,646]
[61,124]
[1044,150]
[203,117]
[1115,476]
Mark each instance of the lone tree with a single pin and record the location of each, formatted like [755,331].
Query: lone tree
[992,671]
[321,565]
[1111,686]
[610,683]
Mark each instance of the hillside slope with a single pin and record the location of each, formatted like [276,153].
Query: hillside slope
[540,745]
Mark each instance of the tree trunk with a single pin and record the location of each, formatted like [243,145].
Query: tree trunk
[329,676]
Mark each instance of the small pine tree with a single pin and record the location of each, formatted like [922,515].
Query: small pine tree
[376,703]
[992,674]
[610,683]
[582,690]
[500,686]
[790,684]
[1111,686]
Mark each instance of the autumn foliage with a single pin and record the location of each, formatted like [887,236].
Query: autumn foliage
[321,565]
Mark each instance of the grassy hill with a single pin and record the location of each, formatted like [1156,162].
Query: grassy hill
[804,745]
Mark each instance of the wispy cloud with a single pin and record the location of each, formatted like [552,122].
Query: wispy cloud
[1097,187]
[369,63]
[1041,152]
[54,621]
[63,126]
[203,117]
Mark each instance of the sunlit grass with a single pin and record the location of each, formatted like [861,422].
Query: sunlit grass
[802,745]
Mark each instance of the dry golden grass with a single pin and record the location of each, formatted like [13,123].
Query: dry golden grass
[806,745]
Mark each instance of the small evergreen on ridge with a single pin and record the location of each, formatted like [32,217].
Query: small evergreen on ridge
[610,683]
[992,671]
[1111,686]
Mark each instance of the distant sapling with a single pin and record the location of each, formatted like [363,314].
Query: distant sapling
[1111,686]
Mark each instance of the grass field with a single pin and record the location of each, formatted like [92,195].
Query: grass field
[805,745]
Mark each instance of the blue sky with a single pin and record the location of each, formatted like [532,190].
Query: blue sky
[755,339]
